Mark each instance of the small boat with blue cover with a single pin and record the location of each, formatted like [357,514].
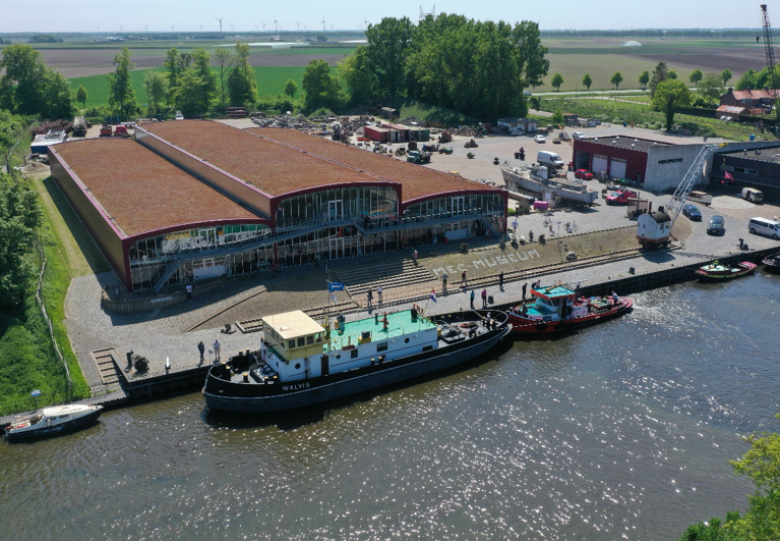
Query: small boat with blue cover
[719,272]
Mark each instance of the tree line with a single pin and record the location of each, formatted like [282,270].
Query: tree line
[479,68]
[710,85]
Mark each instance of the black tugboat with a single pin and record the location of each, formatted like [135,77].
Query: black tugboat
[302,362]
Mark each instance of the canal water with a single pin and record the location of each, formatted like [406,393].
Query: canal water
[622,431]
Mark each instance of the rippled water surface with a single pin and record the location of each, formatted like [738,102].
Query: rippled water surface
[620,431]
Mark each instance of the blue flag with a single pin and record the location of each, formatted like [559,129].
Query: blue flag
[335,286]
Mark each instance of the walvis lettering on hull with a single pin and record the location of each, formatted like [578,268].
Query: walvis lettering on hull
[296,387]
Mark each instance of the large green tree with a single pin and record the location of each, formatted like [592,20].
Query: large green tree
[121,96]
[587,81]
[479,68]
[290,88]
[320,86]
[617,78]
[29,87]
[156,90]
[669,95]
[710,87]
[357,73]
[695,77]
[223,60]
[242,87]
[81,95]
[20,215]
[389,47]
[660,74]
[188,97]
[644,78]
[725,76]
[556,81]
[201,64]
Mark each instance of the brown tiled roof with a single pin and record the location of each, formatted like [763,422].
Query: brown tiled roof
[754,94]
[272,168]
[417,181]
[142,191]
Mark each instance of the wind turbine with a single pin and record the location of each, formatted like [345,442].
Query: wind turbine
[299,25]
[263,25]
[146,26]
[98,27]
[323,22]
[121,28]
[220,22]
[171,28]
[231,27]
[276,24]
[201,28]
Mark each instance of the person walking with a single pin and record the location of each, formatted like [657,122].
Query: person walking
[217,355]
[444,281]
[530,237]
[370,297]
[514,226]
[188,288]
[501,281]
[414,256]
[472,299]
[379,294]
[202,350]
[484,298]
[463,280]
[525,286]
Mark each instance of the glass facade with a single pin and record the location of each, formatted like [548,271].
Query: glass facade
[336,204]
[333,224]
[487,205]
[150,257]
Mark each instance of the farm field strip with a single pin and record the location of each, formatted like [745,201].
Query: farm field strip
[270,80]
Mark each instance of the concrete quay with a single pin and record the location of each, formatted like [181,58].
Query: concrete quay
[171,334]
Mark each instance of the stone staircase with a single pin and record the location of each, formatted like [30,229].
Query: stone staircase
[390,275]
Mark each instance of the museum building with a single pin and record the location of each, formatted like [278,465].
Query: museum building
[194,199]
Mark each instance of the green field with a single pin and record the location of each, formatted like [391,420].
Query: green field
[601,67]
[270,80]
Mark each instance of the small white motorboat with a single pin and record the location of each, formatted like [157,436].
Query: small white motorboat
[53,420]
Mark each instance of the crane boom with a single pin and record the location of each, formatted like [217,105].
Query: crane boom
[770,58]
[680,196]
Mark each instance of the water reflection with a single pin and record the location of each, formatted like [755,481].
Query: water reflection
[620,431]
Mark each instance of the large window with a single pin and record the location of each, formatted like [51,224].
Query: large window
[321,206]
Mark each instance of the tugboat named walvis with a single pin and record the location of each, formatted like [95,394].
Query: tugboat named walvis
[301,363]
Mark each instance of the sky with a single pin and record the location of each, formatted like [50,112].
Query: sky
[247,15]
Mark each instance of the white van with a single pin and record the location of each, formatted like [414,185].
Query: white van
[765,227]
[751,194]
[549,158]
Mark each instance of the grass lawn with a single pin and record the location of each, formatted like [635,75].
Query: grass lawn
[270,80]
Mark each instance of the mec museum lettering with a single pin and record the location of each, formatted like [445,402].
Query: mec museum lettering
[489,262]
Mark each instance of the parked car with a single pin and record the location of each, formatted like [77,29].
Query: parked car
[584,174]
[717,226]
[692,212]
[620,197]
[540,139]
